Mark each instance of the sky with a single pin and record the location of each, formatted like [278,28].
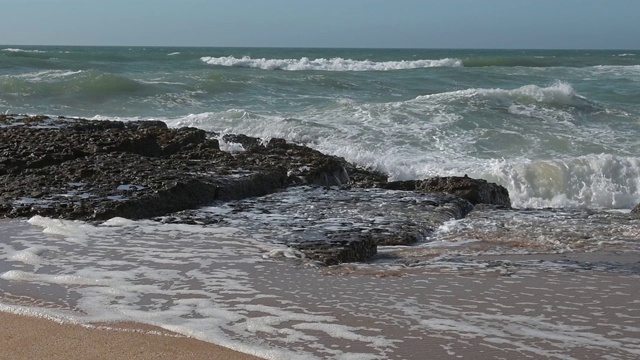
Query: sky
[495,24]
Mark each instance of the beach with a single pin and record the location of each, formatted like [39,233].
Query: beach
[23,337]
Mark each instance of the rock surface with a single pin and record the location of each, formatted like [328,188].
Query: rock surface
[476,191]
[636,210]
[94,170]
[333,225]
[333,211]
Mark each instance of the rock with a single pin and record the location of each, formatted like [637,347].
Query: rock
[334,252]
[333,225]
[636,210]
[77,169]
[476,191]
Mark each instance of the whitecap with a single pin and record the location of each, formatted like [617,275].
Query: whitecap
[334,64]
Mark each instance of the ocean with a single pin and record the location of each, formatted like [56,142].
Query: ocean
[557,128]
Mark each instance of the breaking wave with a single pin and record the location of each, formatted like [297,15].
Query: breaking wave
[22,50]
[591,181]
[334,64]
[559,93]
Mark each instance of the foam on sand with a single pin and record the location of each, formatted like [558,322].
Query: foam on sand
[216,284]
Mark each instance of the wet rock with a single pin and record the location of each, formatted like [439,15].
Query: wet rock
[636,210]
[334,252]
[333,225]
[43,159]
[476,191]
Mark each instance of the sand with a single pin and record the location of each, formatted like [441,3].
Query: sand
[23,337]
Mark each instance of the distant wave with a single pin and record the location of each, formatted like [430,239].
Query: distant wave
[534,61]
[618,68]
[173,53]
[22,50]
[335,64]
[67,83]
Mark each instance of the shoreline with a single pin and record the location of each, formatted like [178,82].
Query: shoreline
[25,337]
[508,306]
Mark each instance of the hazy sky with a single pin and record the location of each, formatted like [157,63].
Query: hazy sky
[592,24]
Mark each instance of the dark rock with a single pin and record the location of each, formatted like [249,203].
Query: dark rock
[42,161]
[476,191]
[333,225]
[407,185]
[247,142]
[636,210]
[333,252]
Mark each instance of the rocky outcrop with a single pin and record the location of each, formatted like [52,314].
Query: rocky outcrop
[93,170]
[636,210]
[328,209]
[332,225]
[476,191]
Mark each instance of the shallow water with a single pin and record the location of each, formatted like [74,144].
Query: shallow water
[242,288]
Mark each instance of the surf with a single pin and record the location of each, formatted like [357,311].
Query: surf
[333,64]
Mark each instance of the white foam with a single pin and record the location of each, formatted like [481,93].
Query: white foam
[74,231]
[334,64]
[230,147]
[30,255]
[286,253]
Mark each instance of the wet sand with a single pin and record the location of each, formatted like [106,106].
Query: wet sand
[24,337]
[510,310]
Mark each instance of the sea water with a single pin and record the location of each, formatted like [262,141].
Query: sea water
[558,129]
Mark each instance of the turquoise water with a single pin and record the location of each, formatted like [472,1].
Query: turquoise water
[557,128]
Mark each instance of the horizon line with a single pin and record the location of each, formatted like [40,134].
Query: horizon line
[331,47]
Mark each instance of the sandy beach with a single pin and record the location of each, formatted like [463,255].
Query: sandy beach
[23,337]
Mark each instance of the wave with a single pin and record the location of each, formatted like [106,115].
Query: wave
[559,93]
[48,75]
[22,50]
[618,69]
[592,181]
[334,64]
[422,150]
[65,83]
